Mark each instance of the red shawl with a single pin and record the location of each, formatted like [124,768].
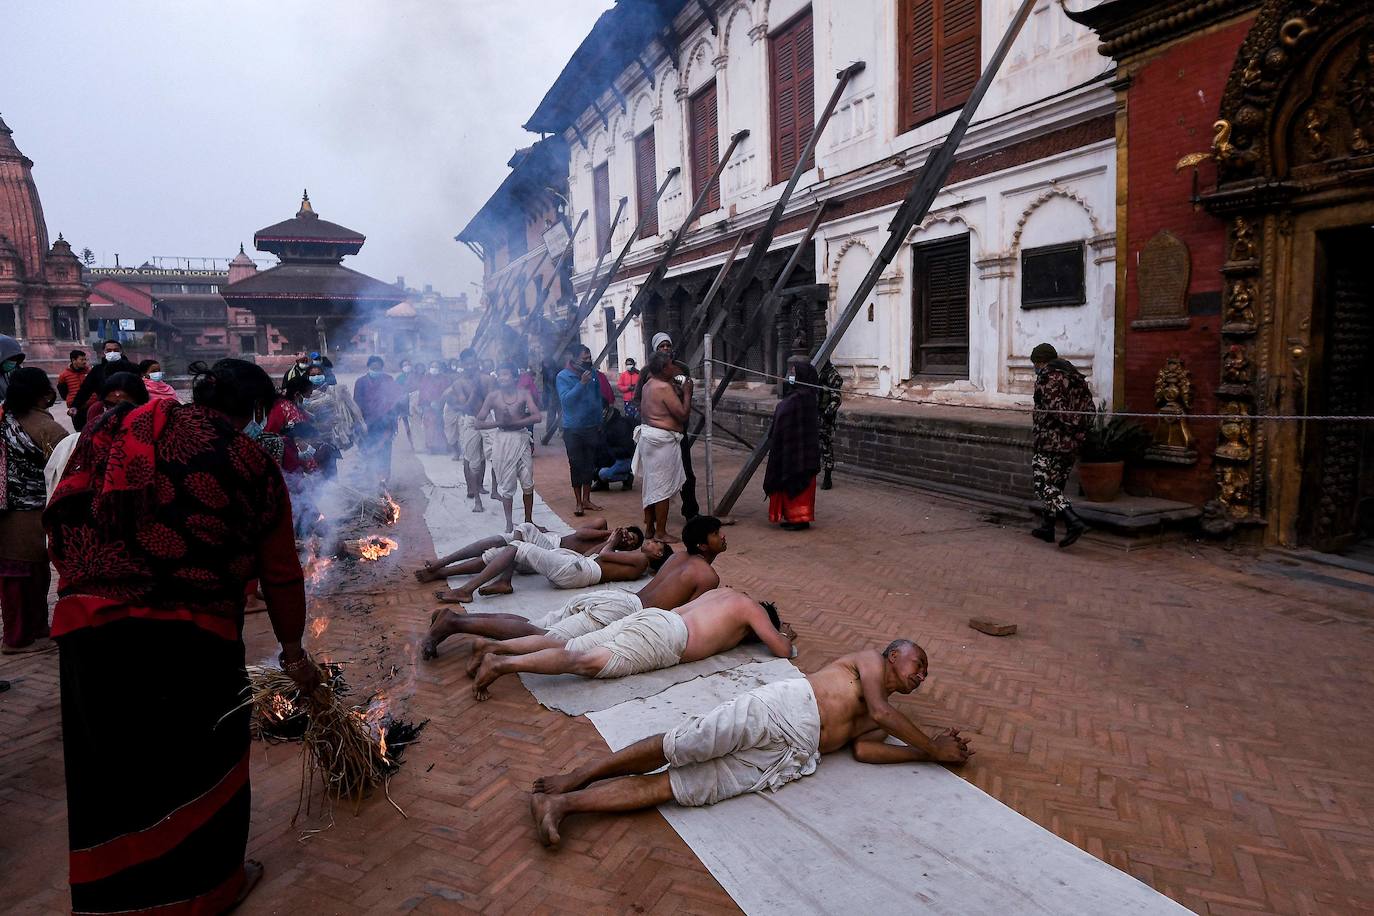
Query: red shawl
[161,513]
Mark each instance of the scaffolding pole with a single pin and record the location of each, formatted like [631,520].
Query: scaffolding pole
[929,180]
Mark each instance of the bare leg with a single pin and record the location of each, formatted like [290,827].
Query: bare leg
[502,584]
[661,522]
[587,504]
[529,507]
[644,756]
[503,561]
[629,793]
[508,504]
[465,568]
[431,570]
[517,645]
[546,661]
[494,626]
[577,501]
[650,530]
[474,472]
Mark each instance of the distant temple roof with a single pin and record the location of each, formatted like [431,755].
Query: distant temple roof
[312,280]
[307,235]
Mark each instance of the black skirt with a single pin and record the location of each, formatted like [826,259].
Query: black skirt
[156,750]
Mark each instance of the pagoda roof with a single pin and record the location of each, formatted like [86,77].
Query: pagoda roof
[303,280]
[306,226]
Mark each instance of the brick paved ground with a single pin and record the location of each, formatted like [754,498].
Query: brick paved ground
[1193,715]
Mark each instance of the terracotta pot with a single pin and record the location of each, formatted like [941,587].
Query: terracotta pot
[1101,481]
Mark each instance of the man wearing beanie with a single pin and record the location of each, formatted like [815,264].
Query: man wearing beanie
[1060,423]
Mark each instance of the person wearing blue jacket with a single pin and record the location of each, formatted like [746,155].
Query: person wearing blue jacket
[579,394]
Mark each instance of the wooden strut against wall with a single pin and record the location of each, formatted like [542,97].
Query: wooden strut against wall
[924,189]
[497,300]
[759,250]
[660,266]
[543,289]
[704,306]
[763,313]
[596,269]
[538,311]
[500,311]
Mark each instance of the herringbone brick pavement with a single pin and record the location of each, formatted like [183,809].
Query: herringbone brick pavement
[1194,715]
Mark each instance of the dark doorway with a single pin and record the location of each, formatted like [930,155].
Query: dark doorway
[941,273]
[1338,462]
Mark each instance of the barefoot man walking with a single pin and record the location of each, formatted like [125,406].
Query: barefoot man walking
[759,740]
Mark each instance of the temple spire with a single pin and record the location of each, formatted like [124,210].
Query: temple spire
[306,211]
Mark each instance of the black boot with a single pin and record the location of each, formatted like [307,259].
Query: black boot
[1073,527]
[1045,531]
[825,481]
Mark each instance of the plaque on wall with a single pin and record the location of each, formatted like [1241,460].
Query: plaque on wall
[1162,282]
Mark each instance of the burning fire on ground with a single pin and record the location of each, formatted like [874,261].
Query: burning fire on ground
[373,547]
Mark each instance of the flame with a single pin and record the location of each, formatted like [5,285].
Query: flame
[374,548]
[393,509]
[318,626]
[375,717]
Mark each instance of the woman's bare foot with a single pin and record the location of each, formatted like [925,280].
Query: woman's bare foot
[486,674]
[496,588]
[443,624]
[557,785]
[548,811]
[478,507]
[252,874]
[592,507]
[453,596]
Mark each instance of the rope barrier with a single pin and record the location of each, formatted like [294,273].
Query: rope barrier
[1340,418]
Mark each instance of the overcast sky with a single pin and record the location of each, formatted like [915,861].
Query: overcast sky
[181,127]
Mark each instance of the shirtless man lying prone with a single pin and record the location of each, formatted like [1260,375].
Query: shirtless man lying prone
[760,740]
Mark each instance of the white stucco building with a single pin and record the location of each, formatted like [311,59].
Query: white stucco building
[1018,247]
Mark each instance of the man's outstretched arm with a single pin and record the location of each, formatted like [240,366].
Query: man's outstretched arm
[947,748]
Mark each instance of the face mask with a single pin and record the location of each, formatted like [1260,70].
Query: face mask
[9,366]
[587,365]
[791,380]
[302,366]
[155,376]
[114,357]
[374,373]
[318,380]
[433,370]
[254,429]
[306,451]
[405,368]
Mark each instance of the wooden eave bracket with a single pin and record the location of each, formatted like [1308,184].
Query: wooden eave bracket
[710,14]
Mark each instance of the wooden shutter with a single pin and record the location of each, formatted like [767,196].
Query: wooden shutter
[646,184]
[941,271]
[792,72]
[959,61]
[940,57]
[601,202]
[704,143]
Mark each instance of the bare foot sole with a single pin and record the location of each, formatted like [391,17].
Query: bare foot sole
[557,785]
[425,573]
[547,811]
[252,874]
[496,588]
[443,623]
[486,673]
[450,596]
[475,660]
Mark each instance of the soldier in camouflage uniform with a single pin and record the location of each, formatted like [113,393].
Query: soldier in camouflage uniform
[829,399]
[1061,393]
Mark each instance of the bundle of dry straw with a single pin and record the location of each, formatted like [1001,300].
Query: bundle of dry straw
[339,750]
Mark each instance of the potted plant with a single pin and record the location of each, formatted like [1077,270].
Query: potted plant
[1110,442]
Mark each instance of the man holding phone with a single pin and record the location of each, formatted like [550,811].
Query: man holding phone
[579,395]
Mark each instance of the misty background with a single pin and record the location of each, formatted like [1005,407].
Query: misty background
[181,128]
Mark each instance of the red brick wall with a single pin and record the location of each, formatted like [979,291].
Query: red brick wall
[1172,102]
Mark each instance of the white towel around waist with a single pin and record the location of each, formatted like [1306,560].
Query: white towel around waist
[658,463]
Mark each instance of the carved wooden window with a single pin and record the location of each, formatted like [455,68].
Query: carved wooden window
[646,184]
[704,143]
[601,203]
[1052,276]
[941,272]
[939,57]
[791,72]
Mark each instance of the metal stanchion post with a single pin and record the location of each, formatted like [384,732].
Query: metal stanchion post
[710,467]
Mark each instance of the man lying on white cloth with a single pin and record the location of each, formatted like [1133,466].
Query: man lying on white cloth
[759,740]
[684,577]
[663,411]
[588,538]
[646,640]
[562,567]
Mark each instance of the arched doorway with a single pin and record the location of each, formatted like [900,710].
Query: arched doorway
[1295,151]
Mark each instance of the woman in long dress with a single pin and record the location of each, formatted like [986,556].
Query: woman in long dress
[433,384]
[795,456]
[162,515]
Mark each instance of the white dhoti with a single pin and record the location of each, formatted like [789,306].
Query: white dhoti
[760,740]
[527,533]
[512,460]
[589,613]
[646,640]
[562,567]
[658,463]
[453,420]
[486,435]
[470,439]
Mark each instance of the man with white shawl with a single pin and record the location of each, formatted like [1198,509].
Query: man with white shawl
[760,740]
[646,640]
[657,464]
